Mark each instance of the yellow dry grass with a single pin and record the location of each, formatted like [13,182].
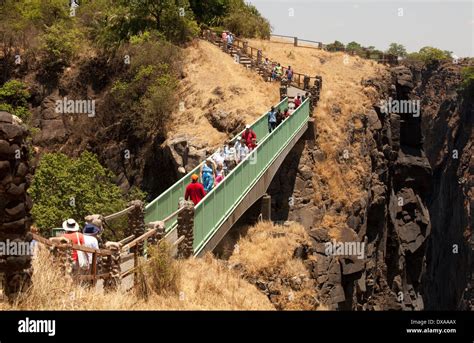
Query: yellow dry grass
[267,253]
[205,284]
[268,247]
[244,94]
[342,99]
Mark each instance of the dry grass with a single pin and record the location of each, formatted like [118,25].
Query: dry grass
[343,99]
[205,284]
[244,94]
[266,255]
[267,247]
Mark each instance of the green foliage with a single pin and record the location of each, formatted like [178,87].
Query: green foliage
[429,54]
[210,12]
[14,99]
[467,84]
[125,20]
[355,47]
[336,46]
[60,42]
[65,187]
[145,96]
[397,50]
[159,274]
[245,20]
[59,45]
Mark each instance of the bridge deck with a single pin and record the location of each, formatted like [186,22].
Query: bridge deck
[244,185]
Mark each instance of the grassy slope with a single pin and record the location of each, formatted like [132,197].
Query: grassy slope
[244,94]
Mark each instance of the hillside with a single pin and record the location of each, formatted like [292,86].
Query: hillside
[216,87]
[340,173]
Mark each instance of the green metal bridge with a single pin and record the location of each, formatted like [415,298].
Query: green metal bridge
[240,189]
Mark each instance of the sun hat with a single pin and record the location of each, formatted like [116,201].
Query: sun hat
[247,126]
[70,225]
[90,229]
[194,177]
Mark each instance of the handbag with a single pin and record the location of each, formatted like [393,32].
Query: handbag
[82,258]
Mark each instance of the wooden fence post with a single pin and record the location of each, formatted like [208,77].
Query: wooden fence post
[136,222]
[112,266]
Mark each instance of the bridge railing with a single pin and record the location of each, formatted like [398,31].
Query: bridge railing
[167,203]
[224,198]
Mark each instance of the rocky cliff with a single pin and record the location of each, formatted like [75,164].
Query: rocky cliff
[448,116]
[414,217]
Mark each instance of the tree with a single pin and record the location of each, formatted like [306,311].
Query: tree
[354,47]
[429,54]
[246,21]
[14,99]
[336,46]
[397,50]
[467,84]
[174,18]
[210,12]
[65,187]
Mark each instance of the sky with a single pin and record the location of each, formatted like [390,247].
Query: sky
[447,25]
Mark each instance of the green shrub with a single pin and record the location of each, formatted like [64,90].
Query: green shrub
[336,46]
[429,54]
[145,96]
[159,272]
[245,20]
[467,83]
[14,99]
[65,187]
[397,50]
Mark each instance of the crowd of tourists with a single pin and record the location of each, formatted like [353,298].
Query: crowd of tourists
[226,158]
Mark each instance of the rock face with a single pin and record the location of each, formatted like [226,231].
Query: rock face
[392,220]
[15,205]
[448,116]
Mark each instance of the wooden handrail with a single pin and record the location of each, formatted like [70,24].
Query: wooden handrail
[72,246]
[139,239]
[118,214]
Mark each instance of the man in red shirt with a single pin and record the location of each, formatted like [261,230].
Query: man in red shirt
[76,237]
[195,190]
[250,137]
[297,102]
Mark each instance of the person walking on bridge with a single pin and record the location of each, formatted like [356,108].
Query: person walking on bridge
[297,101]
[250,137]
[289,74]
[272,119]
[195,190]
[208,174]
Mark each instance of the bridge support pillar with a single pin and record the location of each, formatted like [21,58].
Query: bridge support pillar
[266,207]
[310,134]
[186,228]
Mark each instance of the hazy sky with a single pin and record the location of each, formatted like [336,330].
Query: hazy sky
[444,24]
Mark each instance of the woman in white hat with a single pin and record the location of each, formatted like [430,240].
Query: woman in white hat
[72,233]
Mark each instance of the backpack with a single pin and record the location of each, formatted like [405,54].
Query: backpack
[82,258]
